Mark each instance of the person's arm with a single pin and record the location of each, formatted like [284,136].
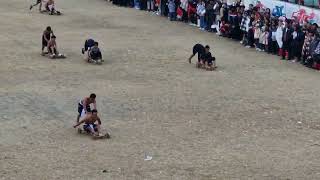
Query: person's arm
[44,36]
[89,53]
[82,121]
[85,105]
[99,121]
[48,45]
[94,105]
[100,56]
[55,45]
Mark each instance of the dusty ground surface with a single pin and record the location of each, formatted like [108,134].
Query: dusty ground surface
[240,122]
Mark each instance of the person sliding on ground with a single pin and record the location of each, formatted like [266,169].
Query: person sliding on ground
[197,49]
[39,2]
[52,47]
[90,125]
[84,105]
[50,7]
[94,54]
[207,61]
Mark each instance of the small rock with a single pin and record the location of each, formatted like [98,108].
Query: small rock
[299,122]
[104,171]
[148,158]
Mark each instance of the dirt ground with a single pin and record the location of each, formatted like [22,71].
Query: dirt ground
[256,117]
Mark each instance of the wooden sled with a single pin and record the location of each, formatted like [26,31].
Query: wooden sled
[98,62]
[57,56]
[102,135]
[200,66]
[57,13]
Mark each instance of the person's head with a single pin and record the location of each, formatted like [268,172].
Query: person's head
[53,37]
[280,22]
[287,23]
[94,112]
[207,47]
[314,26]
[268,10]
[311,33]
[93,96]
[252,15]
[49,28]
[96,44]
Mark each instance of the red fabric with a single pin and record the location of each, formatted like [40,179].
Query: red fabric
[191,10]
[158,2]
[280,52]
[179,12]
[316,66]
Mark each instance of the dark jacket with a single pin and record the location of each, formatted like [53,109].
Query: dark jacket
[287,35]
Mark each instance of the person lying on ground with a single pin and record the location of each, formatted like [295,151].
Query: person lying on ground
[88,44]
[197,49]
[39,2]
[94,53]
[207,61]
[90,125]
[84,105]
[46,37]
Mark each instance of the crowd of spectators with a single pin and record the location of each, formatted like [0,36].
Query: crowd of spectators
[253,26]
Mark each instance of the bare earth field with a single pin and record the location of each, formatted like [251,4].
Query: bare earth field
[239,122]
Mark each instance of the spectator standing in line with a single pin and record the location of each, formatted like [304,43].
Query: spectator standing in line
[279,34]
[172,10]
[272,41]
[150,5]
[201,11]
[210,16]
[297,42]
[287,41]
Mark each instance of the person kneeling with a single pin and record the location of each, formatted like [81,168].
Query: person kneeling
[94,54]
[88,44]
[90,125]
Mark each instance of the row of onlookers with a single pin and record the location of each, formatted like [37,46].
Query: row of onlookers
[254,27]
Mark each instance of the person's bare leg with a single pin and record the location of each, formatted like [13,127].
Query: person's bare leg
[92,132]
[40,5]
[42,50]
[214,65]
[78,118]
[98,129]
